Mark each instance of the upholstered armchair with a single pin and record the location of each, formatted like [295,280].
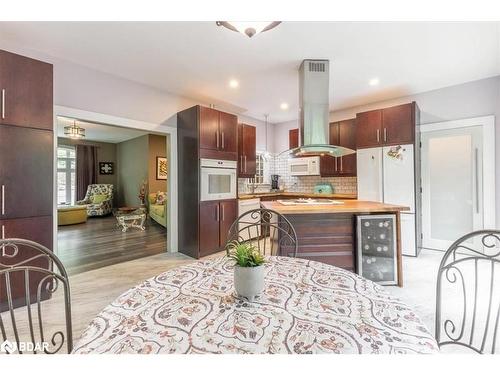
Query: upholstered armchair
[98,199]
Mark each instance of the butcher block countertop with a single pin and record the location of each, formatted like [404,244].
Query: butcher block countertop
[348,206]
[284,195]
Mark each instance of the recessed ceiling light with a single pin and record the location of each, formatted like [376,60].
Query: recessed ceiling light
[233,83]
[374,82]
[284,106]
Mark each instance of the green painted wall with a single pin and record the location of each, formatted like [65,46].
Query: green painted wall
[132,169]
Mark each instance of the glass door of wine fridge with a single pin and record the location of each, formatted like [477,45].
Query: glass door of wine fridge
[377,248]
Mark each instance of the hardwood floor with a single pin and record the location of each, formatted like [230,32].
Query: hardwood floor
[99,243]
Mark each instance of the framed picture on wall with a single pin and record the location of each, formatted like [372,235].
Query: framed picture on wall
[106,167]
[161,168]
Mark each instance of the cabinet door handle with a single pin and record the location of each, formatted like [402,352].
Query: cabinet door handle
[378,135]
[217,137]
[3,104]
[385,134]
[3,238]
[476,166]
[245,157]
[222,136]
[217,213]
[222,207]
[341,164]
[335,164]
[3,199]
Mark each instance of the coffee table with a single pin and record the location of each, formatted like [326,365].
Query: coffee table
[130,219]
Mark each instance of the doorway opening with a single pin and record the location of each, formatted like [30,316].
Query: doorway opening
[111,189]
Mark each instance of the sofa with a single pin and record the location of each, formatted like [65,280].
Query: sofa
[98,199]
[157,212]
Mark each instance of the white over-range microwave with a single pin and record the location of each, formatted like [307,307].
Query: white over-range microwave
[308,166]
[218,179]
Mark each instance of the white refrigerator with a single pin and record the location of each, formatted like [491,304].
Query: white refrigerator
[387,174]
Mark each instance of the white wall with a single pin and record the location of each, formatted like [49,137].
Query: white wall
[472,99]
[78,87]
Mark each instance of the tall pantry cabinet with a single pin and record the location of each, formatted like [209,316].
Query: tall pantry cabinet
[26,163]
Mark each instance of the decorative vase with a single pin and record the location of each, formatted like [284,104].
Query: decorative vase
[249,281]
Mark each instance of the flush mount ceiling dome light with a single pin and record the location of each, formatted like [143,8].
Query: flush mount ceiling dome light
[249,28]
[74,131]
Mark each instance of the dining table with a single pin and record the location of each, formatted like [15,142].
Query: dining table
[306,307]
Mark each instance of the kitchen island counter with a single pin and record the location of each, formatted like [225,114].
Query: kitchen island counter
[346,206]
[327,232]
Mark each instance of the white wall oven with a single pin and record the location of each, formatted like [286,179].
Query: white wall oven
[218,179]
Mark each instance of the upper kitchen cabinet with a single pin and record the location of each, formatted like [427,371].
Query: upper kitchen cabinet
[218,134]
[26,92]
[368,127]
[247,156]
[209,128]
[342,133]
[387,127]
[293,138]
[399,124]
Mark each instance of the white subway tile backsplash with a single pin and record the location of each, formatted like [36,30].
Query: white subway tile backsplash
[279,166]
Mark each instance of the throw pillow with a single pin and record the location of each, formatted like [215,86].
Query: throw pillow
[98,198]
[160,198]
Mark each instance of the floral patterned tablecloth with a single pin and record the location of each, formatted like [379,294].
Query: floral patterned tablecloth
[307,307]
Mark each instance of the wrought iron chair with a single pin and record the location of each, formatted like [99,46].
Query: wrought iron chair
[473,319]
[30,273]
[270,232]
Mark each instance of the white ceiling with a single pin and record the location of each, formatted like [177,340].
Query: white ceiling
[197,59]
[99,132]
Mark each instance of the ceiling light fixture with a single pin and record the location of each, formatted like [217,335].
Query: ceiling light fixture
[374,82]
[74,131]
[284,106]
[233,83]
[249,28]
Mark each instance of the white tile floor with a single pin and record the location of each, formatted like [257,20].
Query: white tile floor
[419,284]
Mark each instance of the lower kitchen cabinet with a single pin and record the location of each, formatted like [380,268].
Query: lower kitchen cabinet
[37,229]
[216,217]
[326,238]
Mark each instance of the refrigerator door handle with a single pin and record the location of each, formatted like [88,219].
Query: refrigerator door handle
[476,177]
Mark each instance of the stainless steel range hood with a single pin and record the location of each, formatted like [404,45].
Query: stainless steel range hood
[314,76]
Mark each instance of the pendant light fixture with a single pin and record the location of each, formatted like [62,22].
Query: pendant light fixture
[267,154]
[249,28]
[74,131]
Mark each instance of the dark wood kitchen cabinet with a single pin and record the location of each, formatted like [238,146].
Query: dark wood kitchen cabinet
[216,217]
[247,154]
[293,138]
[26,92]
[209,227]
[398,124]
[26,167]
[26,172]
[228,215]
[387,127]
[38,229]
[218,134]
[203,133]
[342,133]
[368,128]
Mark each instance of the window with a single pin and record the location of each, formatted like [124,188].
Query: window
[259,170]
[66,162]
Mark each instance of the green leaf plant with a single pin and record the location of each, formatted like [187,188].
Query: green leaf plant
[244,254]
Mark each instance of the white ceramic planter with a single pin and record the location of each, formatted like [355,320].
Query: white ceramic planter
[249,281]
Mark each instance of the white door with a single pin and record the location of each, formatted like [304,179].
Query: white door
[369,167]
[452,185]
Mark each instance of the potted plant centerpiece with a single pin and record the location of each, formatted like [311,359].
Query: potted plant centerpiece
[248,270]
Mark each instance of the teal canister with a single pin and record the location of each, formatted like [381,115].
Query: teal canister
[323,188]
